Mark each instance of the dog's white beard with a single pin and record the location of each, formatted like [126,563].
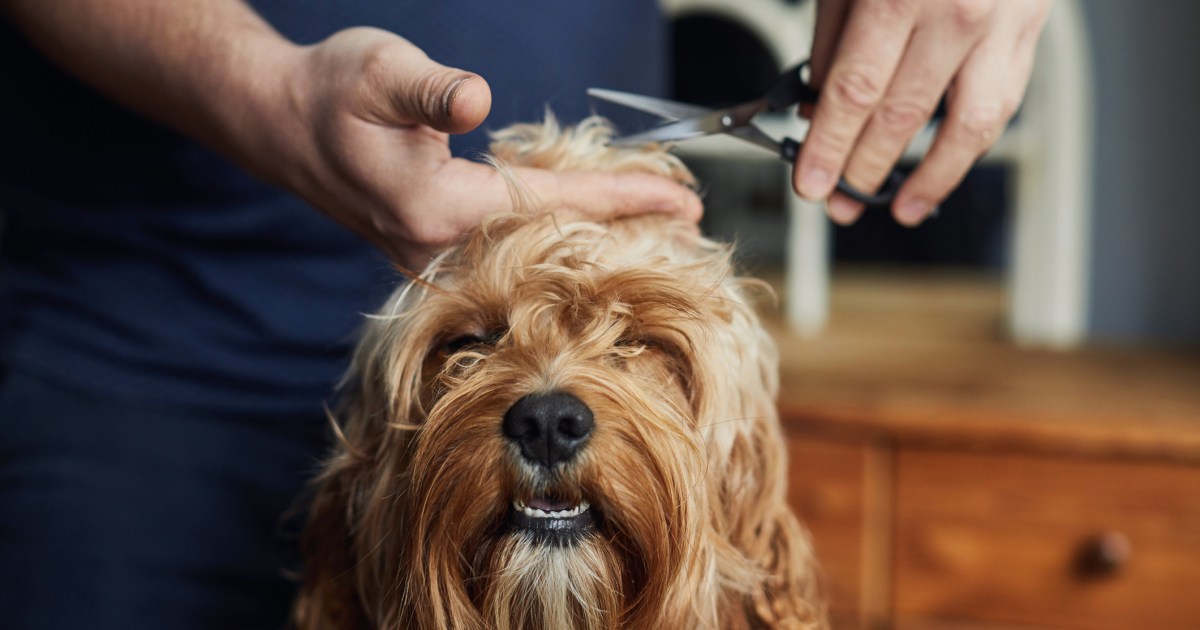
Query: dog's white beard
[535,585]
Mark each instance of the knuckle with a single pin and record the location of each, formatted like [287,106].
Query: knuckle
[869,167]
[901,117]
[857,87]
[976,125]
[376,63]
[970,15]
[827,149]
[377,66]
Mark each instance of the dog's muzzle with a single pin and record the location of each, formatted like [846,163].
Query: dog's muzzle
[549,428]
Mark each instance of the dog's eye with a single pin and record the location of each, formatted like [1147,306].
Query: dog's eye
[635,343]
[459,343]
[464,342]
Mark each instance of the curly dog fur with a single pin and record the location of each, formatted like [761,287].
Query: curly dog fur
[680,471]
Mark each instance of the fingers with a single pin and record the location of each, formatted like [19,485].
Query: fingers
[933,56]
[973,120]
[466,192]
[831,20]
[986,94]
[606,196]
[446,99]
[870,49]
[890,67]
[404,86]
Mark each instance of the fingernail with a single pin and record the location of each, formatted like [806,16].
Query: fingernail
[913,212]
[448,99]
[842,210]
[816,183]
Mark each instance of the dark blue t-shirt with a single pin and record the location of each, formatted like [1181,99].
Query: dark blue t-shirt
[137,264]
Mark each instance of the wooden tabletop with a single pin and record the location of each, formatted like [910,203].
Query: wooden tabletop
[920,357]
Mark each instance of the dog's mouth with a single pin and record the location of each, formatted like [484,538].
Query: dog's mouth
[552,521]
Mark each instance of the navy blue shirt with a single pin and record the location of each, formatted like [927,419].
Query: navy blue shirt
[137,264]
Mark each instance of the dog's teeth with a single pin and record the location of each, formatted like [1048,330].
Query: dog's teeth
[540,513]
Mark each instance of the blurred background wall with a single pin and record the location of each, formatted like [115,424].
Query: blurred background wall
[1146,230]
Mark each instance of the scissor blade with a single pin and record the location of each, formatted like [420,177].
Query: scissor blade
[752,134]
[668,132]
[714,122]
[671,110]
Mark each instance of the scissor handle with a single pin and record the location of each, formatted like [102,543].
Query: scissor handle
[789,150]
[790,89]
[884,197]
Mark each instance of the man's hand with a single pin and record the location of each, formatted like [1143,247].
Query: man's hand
[356,124]
[883,65]
[371,150]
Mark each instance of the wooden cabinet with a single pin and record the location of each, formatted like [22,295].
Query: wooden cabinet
[1055,542]
[954,482]
[830,490]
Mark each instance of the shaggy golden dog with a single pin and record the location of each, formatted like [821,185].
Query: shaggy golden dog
[562,424]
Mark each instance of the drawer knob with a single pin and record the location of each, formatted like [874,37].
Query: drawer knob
[1103,555]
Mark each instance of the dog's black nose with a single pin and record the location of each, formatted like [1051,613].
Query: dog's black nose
[549,428]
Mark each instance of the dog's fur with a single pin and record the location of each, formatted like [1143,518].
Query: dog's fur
[643,321]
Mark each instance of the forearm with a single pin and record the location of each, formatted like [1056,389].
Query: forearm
[210,69]
[356,125]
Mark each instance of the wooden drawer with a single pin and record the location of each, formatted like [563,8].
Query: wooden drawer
[1005,539]
[834,491]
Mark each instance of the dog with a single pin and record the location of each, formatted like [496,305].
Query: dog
[562,424]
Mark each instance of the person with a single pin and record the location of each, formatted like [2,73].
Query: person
[175,313]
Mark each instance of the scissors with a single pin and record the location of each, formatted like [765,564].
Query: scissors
[683,121]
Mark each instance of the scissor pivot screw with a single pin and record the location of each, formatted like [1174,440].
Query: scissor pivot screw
[727,121]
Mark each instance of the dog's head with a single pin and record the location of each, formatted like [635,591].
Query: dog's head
[562,424]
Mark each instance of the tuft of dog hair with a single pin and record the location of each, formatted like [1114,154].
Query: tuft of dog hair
[417,518]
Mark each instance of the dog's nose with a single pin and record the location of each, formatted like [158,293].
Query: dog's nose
[549,428]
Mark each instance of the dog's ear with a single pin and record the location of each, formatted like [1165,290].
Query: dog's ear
[382,392]
[746,438]
[328,596]
[767,532]
[788,595]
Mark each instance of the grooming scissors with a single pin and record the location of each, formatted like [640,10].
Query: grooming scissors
[683,121]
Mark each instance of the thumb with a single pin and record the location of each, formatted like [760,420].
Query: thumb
[424,91]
